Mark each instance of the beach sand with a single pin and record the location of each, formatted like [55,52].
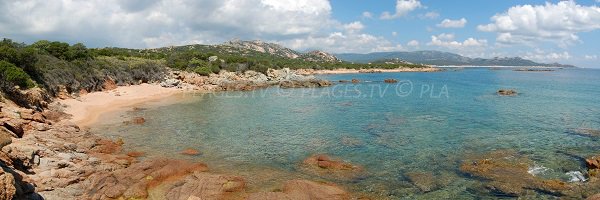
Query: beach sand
[87,109]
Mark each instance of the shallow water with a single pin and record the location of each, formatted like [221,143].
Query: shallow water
[428,122]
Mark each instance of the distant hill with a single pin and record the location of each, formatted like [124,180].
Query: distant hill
[256,48]
[441,58]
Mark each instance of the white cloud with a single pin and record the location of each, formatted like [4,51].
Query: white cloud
[431,15]
[447,41]
[413,43]
[542,56]
[354,26]
[558,23]
[344,42]
[591,57]
[394,33]
[162,22]
[403,7]
[367,15]
[448,23]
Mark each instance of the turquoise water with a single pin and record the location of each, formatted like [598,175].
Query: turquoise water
[428,122]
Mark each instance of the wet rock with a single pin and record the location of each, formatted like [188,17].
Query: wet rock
[507,174]
[507,92]
[107,146]
[593,162]
[355,81]
[137,180]
[303,189]
[425,181]
[325,166]
[390,80]
[190,152]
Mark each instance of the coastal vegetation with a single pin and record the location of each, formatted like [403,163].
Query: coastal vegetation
[52,64]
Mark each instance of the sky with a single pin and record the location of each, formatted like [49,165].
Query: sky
[544,31]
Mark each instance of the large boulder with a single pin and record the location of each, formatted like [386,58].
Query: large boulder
[135,181]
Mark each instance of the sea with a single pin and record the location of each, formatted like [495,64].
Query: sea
[429,123]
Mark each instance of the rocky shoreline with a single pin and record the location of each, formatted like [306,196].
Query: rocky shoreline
[46,156]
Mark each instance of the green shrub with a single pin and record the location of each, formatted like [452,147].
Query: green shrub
[204,71]
[10,74]
[215,68]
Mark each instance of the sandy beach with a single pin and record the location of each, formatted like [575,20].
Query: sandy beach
[88,108]
[357,71]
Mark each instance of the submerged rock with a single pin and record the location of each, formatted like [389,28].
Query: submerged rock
[190,152]
[303,189]
[138,120]
[507,92]
[587,132]
[507,174]
[425,181]
[325,166]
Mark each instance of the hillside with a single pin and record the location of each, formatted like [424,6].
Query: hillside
[441,58]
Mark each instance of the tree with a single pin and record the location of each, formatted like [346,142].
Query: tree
[77,51]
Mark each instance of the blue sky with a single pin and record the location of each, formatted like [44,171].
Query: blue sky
[544,31]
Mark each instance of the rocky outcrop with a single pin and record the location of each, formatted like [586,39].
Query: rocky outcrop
[134,182]
[507,92]
[247,81]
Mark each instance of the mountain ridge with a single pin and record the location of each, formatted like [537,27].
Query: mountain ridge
[432,57]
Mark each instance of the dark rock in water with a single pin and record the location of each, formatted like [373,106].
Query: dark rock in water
[507,174]
[424,181]
[585,132]
[343,81]
[390,80]
[355,81]
[507,92]
[304,84]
